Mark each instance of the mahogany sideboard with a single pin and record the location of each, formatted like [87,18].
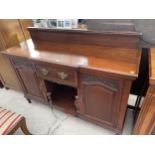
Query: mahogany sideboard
[85,73]
[145,123]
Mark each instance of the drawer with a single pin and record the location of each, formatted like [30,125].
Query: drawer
[21,62]
[57,73]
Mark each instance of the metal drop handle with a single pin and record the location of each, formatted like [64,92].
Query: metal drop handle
[44,71]
[62,75]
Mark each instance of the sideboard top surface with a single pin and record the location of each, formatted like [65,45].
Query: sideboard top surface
[111,65]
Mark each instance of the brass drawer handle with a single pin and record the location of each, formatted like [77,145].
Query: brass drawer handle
[44,71]
[62,75]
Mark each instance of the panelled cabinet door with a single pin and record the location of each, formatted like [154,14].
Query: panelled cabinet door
[99,99]
[32,85]
[29,80]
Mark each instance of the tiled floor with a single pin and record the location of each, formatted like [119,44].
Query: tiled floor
[41,120]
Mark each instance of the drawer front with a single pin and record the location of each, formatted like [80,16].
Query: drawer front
[21,62]
[57,73]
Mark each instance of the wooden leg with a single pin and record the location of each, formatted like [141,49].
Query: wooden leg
[24,127]
[1,85]
[29,100]
[6,88]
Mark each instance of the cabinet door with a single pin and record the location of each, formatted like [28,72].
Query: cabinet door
[99,99]
[30,82]
[32,85]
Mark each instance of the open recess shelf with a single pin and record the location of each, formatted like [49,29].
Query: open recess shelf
[63,97]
